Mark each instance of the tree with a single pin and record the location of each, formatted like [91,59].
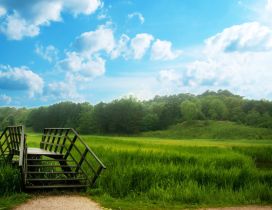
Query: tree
[214,108]
[190,110]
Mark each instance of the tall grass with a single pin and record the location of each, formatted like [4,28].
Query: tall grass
[181,172]
[193,175]
[10,179]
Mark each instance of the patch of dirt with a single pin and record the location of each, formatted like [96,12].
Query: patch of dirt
[63,202]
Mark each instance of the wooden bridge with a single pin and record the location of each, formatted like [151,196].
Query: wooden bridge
[63,160]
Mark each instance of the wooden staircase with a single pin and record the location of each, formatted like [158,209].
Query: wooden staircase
[63,160]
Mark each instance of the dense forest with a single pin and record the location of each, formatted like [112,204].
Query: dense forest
[128,115]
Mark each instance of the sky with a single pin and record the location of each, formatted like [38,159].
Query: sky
[100,50]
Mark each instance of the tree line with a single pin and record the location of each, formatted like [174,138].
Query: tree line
[129,115]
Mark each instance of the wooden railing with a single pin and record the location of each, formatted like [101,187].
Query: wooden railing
[68,143]
[13,142]
[10,141]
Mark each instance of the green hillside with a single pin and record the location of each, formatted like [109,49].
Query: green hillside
[211,130]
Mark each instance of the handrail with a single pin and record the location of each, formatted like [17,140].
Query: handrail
[15,142]
[69,144]
[22,155]
[94,155]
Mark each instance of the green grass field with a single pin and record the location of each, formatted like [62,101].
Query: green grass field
[152,173]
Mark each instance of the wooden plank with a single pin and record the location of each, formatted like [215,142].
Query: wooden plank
[53,139]
[82,159]
[70,146]
[43,139]
[11,139]
[48,139]
[54,186]
[58,141]
[38,151]
[64,140]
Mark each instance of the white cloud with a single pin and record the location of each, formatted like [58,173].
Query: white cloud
[137,15]
[169,75]
[242,38]
[49,53]
[268,5]
[82,67]
[16,28]
[238,59]
[248,74]
[21,78]
[63,91]
[85,7]
[24,19]
[140,44]
[94,41]
[2,11]
[5,99]
[162,50]
[121,48]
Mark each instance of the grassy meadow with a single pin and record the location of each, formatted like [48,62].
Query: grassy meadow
[172,169]
[154,173]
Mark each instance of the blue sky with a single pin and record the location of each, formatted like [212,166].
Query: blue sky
[99,50]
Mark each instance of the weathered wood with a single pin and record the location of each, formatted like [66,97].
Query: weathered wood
[58,141]
[63,148]
[38,151]
[82,159]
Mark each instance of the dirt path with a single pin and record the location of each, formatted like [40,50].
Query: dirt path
[64,202]
[75,202]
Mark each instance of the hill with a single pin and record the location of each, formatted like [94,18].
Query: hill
[211,130]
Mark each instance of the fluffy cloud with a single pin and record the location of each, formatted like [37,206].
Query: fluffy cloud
[83,68]
[91,42]
[20,78]
[140,44]
[245,73]
[238,59]
[121,48]
[49,53]
[16,28]
[4,99]
[86,7]
[137,15]
[24,19]
[85,61]
[242,38]
[162,50]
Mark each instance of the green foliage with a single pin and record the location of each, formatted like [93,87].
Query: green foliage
[10,201]
[10,179]
[130,116]
[211,130]
[190,110]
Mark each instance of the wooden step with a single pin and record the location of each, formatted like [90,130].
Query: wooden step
[53,180]
[62,186]
[38,151]
[53,166]
[51,160]
[53,172]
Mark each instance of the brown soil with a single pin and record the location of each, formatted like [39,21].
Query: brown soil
[75,202]
[65,202]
